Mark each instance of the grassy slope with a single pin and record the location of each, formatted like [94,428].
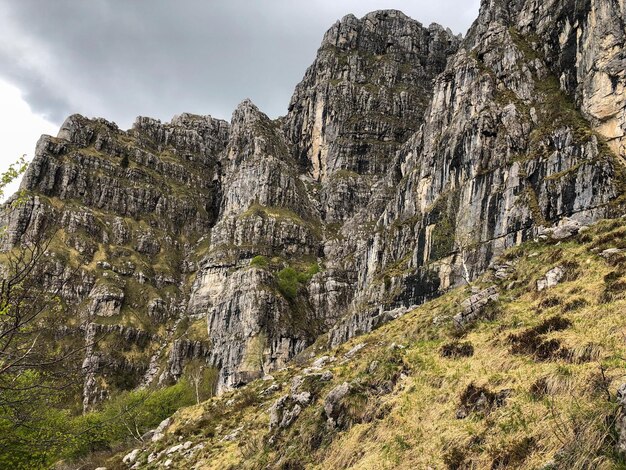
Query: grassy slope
[561,405]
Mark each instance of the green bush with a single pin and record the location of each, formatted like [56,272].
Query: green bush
[288,283]
[259,262]
[290,280]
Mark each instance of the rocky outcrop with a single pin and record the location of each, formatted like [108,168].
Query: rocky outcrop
[363,97]
[474,306]
[124,209]
[551,279]
[106,301]
[584,42]
[620,422]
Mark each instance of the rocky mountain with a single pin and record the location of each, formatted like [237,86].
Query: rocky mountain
[408,160]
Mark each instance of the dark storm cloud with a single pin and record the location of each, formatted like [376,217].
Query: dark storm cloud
[119,58]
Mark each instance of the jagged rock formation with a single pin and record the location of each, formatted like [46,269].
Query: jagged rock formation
[289,185]
[363,97]
[408,159]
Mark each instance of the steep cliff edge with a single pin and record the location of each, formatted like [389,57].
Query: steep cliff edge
[271,281]
[126,209]
[408,159]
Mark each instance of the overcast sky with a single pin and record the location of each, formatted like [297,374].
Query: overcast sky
[119,59]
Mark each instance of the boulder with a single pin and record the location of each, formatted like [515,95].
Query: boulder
[551,279]
[475,305]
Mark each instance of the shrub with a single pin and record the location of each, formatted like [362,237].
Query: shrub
[290,280]
[259,262]
[64,436]
[288,284]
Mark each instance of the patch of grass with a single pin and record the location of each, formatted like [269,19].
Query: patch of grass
[259,262]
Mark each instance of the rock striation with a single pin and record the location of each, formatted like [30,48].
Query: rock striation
[408,159]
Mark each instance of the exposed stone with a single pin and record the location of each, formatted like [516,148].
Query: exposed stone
[174,449]
[502,271]
[566,228]
[475,305]
[350,354]
[131,456]
[321,362]
[232,436]
[326,376]
[284,412]
[302,398]
[609,253]
[332,400]
[159,432]
[620,423]
[551,279]
[271,389]
[106,301]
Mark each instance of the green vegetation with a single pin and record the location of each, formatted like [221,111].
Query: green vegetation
[14,171]
[290,280]
[290,277]
[59,435]
[259,262]
[40,412]
[443,238]
[443,213]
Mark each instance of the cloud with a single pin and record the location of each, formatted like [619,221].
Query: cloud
[19,130]
[118,59]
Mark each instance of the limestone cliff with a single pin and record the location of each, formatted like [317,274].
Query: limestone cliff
[408,159]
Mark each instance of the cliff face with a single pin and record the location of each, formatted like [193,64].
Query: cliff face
[291,185]
[503,150]
[408,159]
[127,208]
[362,98]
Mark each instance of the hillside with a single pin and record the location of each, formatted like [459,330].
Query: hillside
[530,383]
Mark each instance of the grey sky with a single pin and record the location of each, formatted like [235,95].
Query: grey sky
[118,59]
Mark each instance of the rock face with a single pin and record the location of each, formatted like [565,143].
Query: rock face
[362,98]
[290,186]
[408,159]
[502,150]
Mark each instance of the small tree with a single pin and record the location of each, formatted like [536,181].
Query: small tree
[202,377]
[36,370]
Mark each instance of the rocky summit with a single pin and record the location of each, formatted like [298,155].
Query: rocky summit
[409,161]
